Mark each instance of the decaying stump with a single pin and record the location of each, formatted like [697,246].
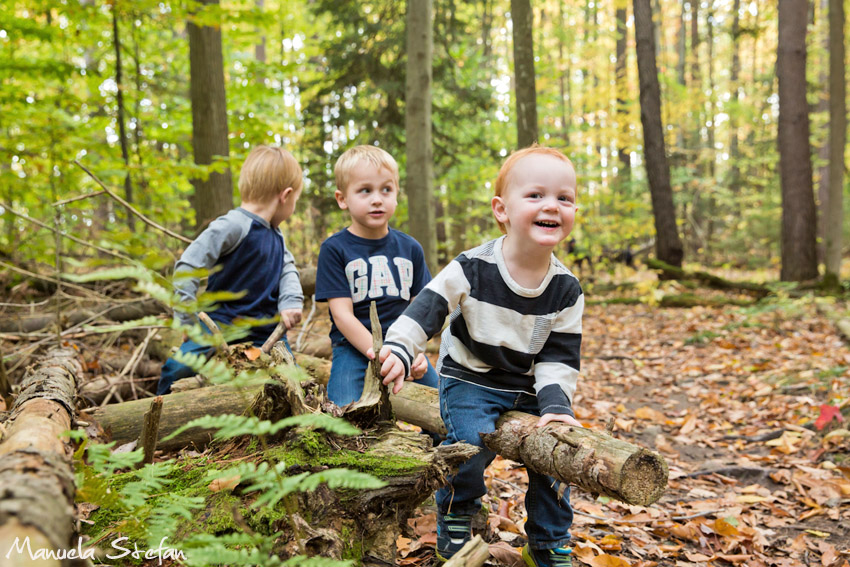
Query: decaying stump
[36,472]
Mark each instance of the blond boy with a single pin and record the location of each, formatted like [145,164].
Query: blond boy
[248,250]
[512,343]
[367,261]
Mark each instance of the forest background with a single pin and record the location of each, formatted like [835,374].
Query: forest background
[108,84]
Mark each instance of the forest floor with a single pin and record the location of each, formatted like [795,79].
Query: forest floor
[731,397]
[737,399]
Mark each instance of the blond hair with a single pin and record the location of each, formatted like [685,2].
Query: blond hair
[267,171]
[514,158]
[373,155]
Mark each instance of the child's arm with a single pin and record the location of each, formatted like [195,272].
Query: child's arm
[556,366]
[355,332]
[290,301]
[220,237]
[422,319]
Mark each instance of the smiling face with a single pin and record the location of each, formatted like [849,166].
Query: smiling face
[538,205]
[371,197]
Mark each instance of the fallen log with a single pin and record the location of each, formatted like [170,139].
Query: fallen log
[36,472]
[706,278]
[589,459]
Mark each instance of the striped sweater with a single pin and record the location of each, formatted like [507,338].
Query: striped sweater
[500,335]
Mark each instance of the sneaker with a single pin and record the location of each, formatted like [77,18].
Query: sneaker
[558,557]
[453,531]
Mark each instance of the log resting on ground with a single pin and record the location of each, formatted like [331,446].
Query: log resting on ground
[593,461]
[36,473]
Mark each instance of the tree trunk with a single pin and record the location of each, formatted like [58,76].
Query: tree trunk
[214,195]
[522,17]
[589,459]
[668,245]
[734,168]
[420,172]
[122,129]
[36,473]
[621,76]
[833,209]
[799,222]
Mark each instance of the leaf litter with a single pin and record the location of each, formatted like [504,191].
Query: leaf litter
[746,406]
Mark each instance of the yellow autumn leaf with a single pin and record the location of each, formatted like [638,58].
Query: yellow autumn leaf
[817,533]
[751,499]
[724,528]
[606,560]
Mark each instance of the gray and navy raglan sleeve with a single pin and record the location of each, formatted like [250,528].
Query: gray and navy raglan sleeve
[290,295]
[557,365]
[222,236]
[424,317]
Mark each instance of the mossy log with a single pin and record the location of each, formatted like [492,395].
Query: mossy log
[591,460]
[36,472]
[706,278]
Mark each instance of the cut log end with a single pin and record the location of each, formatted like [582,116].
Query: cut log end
[644,478]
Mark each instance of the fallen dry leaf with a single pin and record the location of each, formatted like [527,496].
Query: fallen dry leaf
[506,555]
[227,483]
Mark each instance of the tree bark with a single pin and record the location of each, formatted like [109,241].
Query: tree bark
[621,76]
[668,245]
[522,17]
[799,221]
[589,459]
[735,71]
[420,170]
[36,473]
[214,195]
[833,209]
[122,129]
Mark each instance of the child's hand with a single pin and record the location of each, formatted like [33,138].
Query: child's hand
[290,317]
[419,367]
[392,368]
[550,417]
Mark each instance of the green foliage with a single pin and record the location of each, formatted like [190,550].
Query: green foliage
[235,425]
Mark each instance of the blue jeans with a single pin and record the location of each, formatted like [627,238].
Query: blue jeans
[348,370]
[173,370]
[469,410]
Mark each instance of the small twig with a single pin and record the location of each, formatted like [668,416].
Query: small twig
[207,320]
[144,219]
[150,431]
[278,332]
[78,198]
[306,323]
[66,235]
[650,520]
[51,280]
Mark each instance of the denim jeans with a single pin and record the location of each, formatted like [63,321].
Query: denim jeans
[469,410]
[173,370]
[348,369]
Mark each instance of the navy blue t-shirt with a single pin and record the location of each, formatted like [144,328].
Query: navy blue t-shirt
[389,270]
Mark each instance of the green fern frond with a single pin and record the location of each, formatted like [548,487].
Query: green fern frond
[216,370]
[341,478]
[304,561]
[149,321]
[158,292]
[122,273]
